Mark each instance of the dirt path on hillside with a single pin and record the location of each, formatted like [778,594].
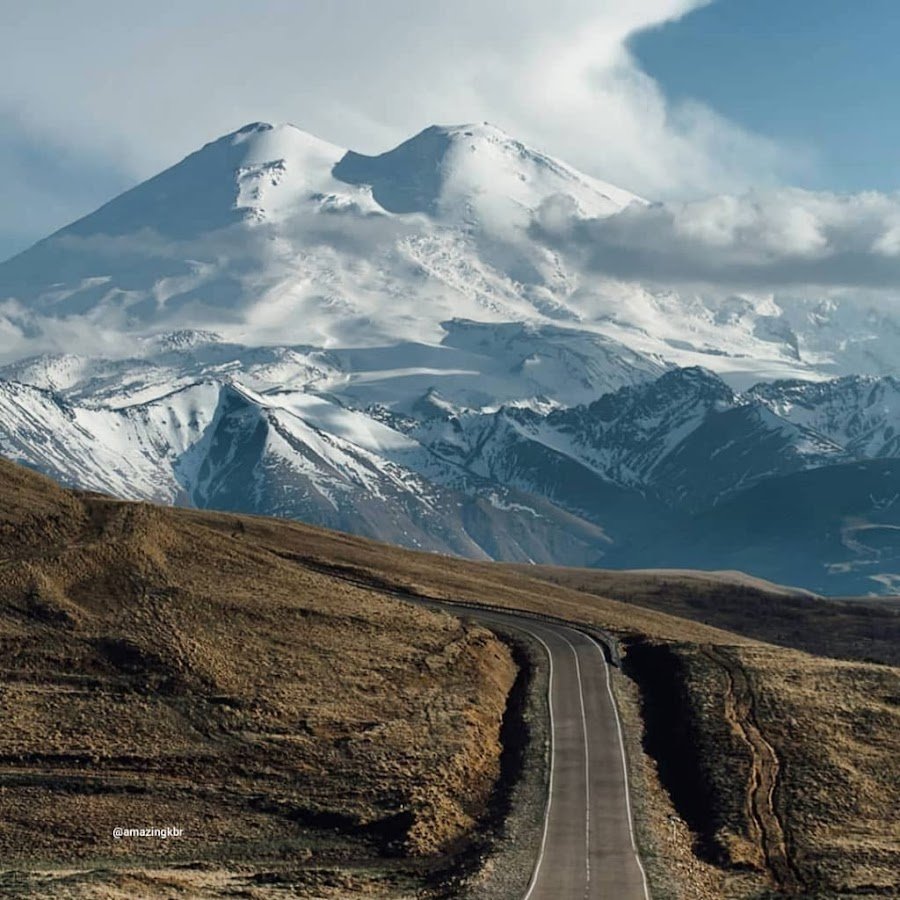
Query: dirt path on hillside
[765,826]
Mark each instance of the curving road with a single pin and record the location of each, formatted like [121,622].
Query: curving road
[588,849]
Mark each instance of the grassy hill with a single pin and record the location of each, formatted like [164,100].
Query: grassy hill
[865,628]
[255,682]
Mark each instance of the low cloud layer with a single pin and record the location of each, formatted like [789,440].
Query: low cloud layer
[765,239]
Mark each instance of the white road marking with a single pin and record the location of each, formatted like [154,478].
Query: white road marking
[587,772]
[540,859]
[558,631]
[612,700]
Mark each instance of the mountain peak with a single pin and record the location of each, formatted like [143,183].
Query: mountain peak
[226,181]
[252,128]
[271,230]
[264,170]
[470,129]
[693,386]
[473,171]
[265,141]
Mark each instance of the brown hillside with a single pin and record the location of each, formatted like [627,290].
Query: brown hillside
[251,681]
[864,628]
[157,671]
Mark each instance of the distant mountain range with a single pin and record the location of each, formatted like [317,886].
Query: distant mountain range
[388,345]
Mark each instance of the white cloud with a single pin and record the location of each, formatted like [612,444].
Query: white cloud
[769,239]
[142,85]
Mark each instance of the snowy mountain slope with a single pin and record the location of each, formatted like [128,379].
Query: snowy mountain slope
[735,449]
[576,485]
[117,451]
[105,382]
[270,169]
[684,441]
[270,222]
[445,172]
[483,365]
[508,448]
[476,364]
[223,446]
[627,433]
[270,236]
[861,414]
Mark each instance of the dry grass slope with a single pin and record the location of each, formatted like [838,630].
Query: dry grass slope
[156,671]
[250,680]
[866,629]
[785,704]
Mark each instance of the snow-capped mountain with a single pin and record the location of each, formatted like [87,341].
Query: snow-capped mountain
[685,440]
[270,236]
[581,485]
[406,346]
[223,446]
[480,365]
[861,413]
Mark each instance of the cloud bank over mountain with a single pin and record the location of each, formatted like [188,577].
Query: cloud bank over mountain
[776,239]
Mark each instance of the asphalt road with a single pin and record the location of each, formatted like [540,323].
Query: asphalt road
[588,849]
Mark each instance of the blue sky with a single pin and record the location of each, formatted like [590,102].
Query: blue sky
[821,75]
[674,99]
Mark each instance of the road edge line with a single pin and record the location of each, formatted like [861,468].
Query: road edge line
[540,859]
